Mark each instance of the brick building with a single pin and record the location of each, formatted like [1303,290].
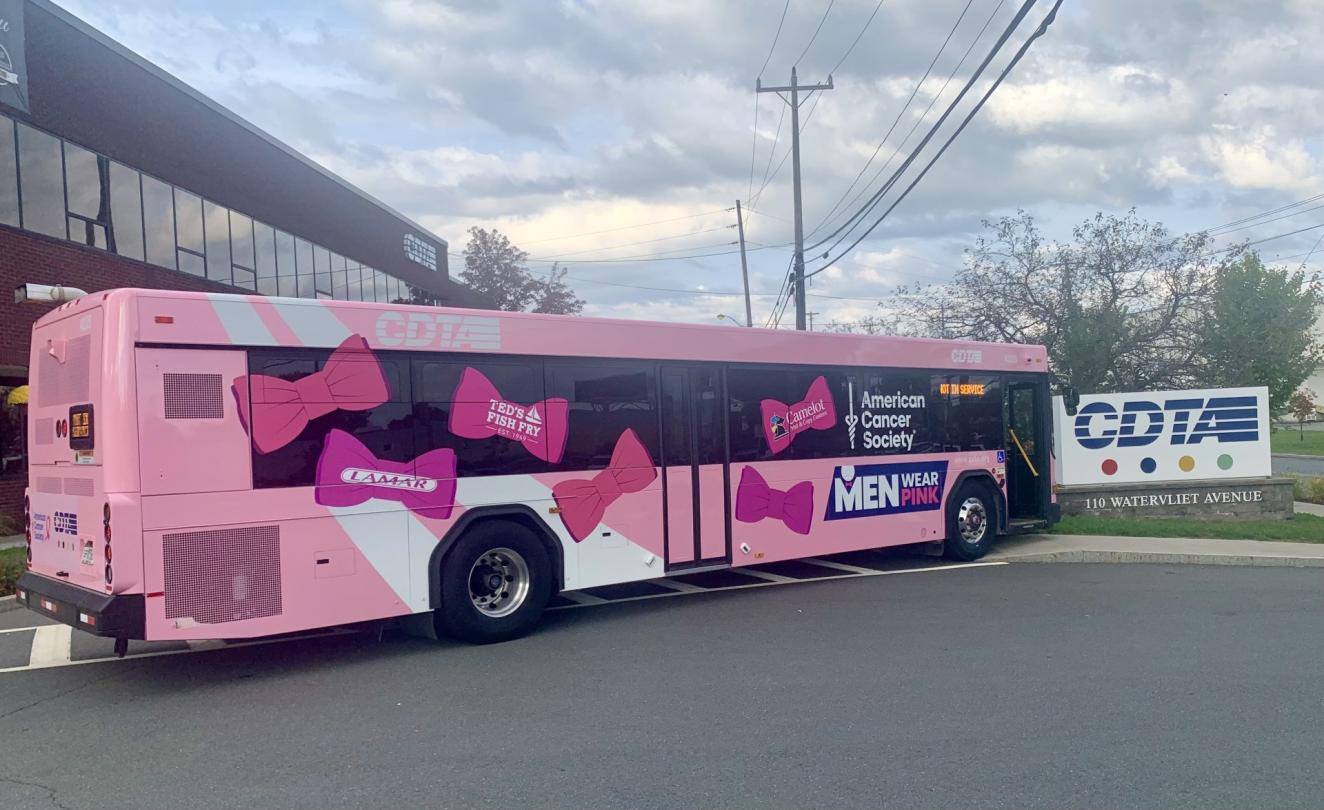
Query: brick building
[115,174]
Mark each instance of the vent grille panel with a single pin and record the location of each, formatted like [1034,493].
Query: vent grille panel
[224,575]
[49,485]
[78,486]
[193,396]
[65,383]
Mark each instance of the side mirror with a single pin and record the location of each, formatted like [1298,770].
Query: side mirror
[1071,399]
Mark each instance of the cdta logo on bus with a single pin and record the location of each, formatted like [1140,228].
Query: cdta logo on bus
[1185,421]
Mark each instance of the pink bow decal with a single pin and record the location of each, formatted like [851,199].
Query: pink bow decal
[352,380]
[479,412]
[755,500]
[349,474]
[781,422]
[584,502]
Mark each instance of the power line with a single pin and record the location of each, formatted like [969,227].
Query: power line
[775,37]
[903,109]
[632,244]
[1267,213]
[826,12]
[858,36]
[1038,32]
[868,206]
[629,227]
[1226,230]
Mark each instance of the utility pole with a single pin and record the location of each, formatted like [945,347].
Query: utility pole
[799,270]
[811,320]
[744,267]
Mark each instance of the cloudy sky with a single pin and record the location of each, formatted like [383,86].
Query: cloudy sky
[613,135]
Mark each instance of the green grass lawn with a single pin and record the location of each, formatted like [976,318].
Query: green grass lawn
[1300,529]
[13,561]
[1291,441]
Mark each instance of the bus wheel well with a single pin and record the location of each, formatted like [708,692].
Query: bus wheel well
[521,516]
[984,480]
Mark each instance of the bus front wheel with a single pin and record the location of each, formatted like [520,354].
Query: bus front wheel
[494,584]
[971,523]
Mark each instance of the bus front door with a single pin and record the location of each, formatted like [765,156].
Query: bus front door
[694,473]
[1027,444]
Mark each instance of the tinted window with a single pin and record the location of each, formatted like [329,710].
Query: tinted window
[435,382]
[264,245]
[188,222]
[676,445]
[218,242]
[782,389]
[338,277]
[303,257]
[353,286]
[605,401]
[87,192]
[126,212]
[8,174]
[42,179]
[387,430]
[322,270]
[159,221]
[972,411]
[895,413]
[285,270]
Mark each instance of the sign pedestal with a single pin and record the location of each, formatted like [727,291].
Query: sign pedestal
[1219,499]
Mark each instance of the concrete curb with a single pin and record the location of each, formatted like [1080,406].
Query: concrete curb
[8,603]
[1162,558]
[1298,455]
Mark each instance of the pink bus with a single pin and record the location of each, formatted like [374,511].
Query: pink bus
[227,466]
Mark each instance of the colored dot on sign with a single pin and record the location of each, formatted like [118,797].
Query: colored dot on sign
[1148,465]
[1109,467]
[1186,463]
[1225,462]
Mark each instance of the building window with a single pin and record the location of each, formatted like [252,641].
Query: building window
[217,230]
[353,284]
[189,235]
[8,175]
[159,222]
[241,250]
[41,182]
[303,265]
[264,244]
[285,264]
[126,212]
[87,191]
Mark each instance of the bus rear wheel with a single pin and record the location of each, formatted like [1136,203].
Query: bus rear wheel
[971,523]
[494,584]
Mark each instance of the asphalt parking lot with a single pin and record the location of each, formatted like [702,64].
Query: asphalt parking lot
[1016,685]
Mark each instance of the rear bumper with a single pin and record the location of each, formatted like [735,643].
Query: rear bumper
[102,614]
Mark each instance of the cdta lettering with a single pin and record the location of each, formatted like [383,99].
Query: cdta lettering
[417,330]
[1186,421]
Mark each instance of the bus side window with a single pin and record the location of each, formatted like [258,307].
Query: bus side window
[972,411]
[606,399]
[749,386]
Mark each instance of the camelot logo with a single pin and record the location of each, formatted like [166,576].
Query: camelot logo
[413,483]
[1187,421]
[867,490]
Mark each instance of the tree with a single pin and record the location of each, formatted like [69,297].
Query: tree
[1259,328]
[1118,307]
[1302,405]
[495,269]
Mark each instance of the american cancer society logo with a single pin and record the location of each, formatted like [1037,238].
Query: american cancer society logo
[866,490]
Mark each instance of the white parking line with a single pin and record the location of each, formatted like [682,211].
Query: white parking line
[21,629]
[764,575]
[582,599]
[854,569]
[51,646]
[682,587]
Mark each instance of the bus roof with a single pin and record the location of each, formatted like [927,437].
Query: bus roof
[222,319]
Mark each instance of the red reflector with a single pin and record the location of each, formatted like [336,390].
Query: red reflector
[164,319]
[47,604]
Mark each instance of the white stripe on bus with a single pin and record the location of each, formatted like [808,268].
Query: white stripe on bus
[313,324]
[241,321]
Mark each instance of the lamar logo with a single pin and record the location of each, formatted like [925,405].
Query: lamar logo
[1188,421]
[416,330]
[886,489]
[413,483]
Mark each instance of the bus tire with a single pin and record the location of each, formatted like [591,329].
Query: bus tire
[972,520]
[495,583]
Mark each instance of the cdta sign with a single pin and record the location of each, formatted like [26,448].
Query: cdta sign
[1164,436]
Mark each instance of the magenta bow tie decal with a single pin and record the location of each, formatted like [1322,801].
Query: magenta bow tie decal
[479,412]
[351,380]
[755,500]
[584,502]
[349,474]
[781,422]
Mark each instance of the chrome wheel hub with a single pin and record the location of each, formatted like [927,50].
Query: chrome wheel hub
[972,520]
[499,582]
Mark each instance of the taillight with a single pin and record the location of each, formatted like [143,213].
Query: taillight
[27,526]
[105,527]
